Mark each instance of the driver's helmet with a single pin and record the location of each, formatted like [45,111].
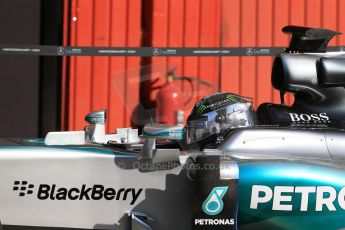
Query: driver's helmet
[218,114]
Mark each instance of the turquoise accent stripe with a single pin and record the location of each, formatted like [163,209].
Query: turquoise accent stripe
[95,150]
[172,135]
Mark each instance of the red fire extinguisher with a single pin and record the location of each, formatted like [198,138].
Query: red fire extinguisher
[171,101]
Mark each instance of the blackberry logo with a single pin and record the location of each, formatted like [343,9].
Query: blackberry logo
[82,192]
[23,187]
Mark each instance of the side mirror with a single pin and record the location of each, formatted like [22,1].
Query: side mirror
[331,72]
[96,132]
[161,131]
[151,132]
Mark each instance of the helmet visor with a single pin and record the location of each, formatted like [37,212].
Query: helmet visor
[234,116]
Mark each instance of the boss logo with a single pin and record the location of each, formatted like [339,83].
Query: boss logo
[302,117]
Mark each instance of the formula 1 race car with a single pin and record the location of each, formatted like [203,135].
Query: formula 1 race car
[229,167]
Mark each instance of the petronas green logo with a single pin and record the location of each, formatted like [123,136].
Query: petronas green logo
[201,109]
[213,205]
[231,98]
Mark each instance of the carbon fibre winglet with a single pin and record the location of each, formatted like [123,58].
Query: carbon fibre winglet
[309,40]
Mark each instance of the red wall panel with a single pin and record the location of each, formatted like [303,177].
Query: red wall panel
[101,82]
[248,39]
[114,82]
[133,64]
[264,64]
[281,17]
[313,13]
[210,27]
[100,65]
[175,33]
[117,84]
[231,36]
[158,38]
[330,16]
[181,23]
[191,38]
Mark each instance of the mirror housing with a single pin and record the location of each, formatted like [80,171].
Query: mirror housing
[151,132]
[162,131]
[96,133]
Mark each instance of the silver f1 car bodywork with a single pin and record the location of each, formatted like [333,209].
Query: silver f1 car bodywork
[99,187]
[285,173]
